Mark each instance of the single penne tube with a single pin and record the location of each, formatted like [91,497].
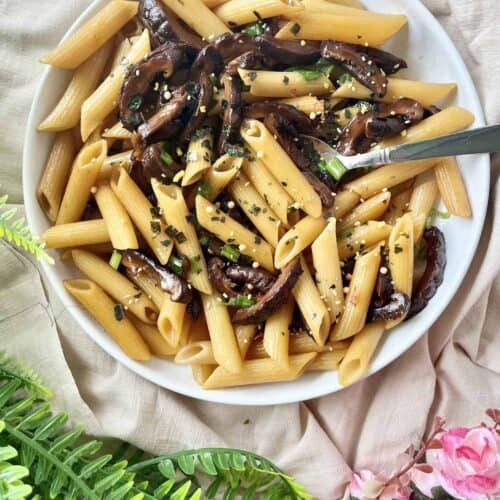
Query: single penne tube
[214,3]
[120,228]
[199,353]
[199,332]
[281,166]
[345,201]
[423,198]
[311,306]
[355,363]
[115,285]
[220,174]
[153,338]
[255,208]
[445,122]
[76,234]
[171,320]
[357,239]
[297,239]
[372,209]
[139,209]
[55,176]
[452,187]
[337,9]
[284,83]
[198,17]
[425,93]
[398,206]
[269,188]
[310,105]
[82,179]
[149,287]
[358,298]
[198,158]
[66,113]
[98,249]
[105,98]
[228,230]
[114,162]
[244,336]
[224,345]
[259,371]
[345,115]
[70,53]
[117,131]
[276,334]
[104,310]
[201,373]
[178,218]
[389,176]
[373,30]
[326,361]
[356,4]
[238,12]
[401,259]
[328,273]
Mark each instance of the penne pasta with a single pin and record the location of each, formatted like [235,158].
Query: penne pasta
[311,306]
[425,93]
[171,321]
[284,83]
[334,8]
[220,174]
[56,173]
[102,308]
[259,371]
[140,211]
[76,234]
[297,239]
[117,131]
[452,187]
[120,228]
[263,144]
[214,3]
[198,353]
[423,198]
[114,162]
[237,12]
[151,335]
[327,271]
[178,219]
[358,239]
[398,206]
[82,179]
[244,336]
[358,297]
[276,334]
[224,345]
[373,30]
[198,17]
[92,35]
[66,113]
[115,285]
[310,105]
[198,158]
[345,201]
[326,361]
[149,287]
[255,208]
[230,231]
[355,363]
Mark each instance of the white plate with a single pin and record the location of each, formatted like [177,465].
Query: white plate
[431,56]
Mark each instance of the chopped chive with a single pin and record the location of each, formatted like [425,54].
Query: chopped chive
[255,29]
[241,301]
[175,265]
[115,260]
[230,252]
[344,78]
[203,189]
[165,156]
[119,312]
[334,167]
[436,214]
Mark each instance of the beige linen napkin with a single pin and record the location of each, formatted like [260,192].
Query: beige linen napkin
[454,371]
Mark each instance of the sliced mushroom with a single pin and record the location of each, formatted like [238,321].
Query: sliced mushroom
[368,65]
[250,60]
[397,307]
[292,115]
[434,271]
[136,262]
[136,90]
[163,24]
[229,139]
[273,299]
[289,52]
[385,120]
[259,279]
[222,283]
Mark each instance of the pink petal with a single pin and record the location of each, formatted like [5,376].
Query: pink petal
[482,484]
[468,453]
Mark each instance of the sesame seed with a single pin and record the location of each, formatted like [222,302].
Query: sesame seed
[242,247]
[384,270]
[231,204]
[255,265]
[209,210]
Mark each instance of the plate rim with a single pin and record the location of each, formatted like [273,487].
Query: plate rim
[226,396]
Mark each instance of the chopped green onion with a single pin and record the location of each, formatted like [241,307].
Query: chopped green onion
[230,252]
[435,214]
[203,189]
[334,167]
[165,156]
[344,78]
[241,301]
[115,260]
[320,68]
[204,240]
[255,29]
[135,102]
[176,265]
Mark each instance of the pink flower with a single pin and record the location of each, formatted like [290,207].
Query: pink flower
[467,465]
[365,485]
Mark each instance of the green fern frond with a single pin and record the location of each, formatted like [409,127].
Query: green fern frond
[18,232]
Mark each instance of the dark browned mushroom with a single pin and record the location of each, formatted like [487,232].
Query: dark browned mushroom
[259,279]
[163,24]
[164,61]
[273,299]
[229,139]
[434,271]
[259,111]
[397,307]
[289,52]
[368,65]
[385,120]
[219,279]
[249,60]
[136,262]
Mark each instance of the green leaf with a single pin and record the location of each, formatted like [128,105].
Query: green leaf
[7,452]
[196,495]
[214,487]
[120,492]
[164,489]
[221,461]
[67,439]
[107,482]
[9,473]
[94,466]
[166,467]
[237,462]
[207,464]
[186,464]
[250,492]
[182,492]
[51,427]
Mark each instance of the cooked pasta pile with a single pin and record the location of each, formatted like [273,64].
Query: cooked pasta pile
[206,226]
